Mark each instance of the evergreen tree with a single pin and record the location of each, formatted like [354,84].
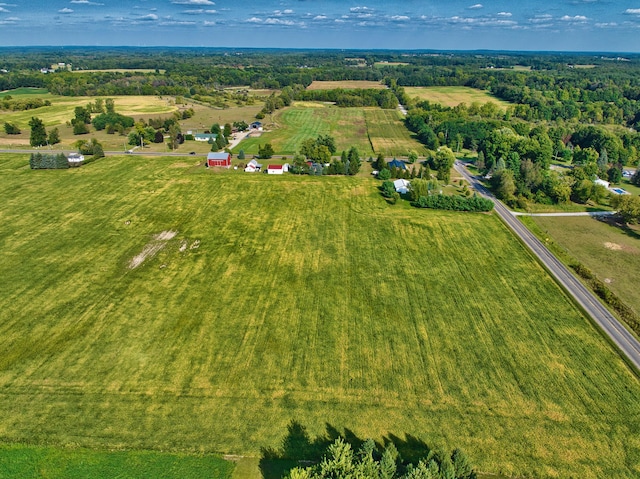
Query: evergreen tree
[354,161]
[38,132]
[54,137]
[241,155]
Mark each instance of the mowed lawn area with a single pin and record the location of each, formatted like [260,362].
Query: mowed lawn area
[611,252]
[29,462]
[349,126]
[453,95]
[267,299]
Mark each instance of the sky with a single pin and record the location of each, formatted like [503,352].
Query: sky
[545,25]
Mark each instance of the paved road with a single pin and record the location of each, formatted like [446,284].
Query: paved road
[619,335]
[578,213]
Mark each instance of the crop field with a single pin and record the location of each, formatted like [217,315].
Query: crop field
[24,462]
[349,126]
[346,85]
[61,109]
[388,134]
[611,252]
[453,95]
[150,304]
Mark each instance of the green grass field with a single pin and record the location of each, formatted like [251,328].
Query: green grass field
[28,462]
[453,95]
[285,298]
[349,126]
[24,92]
[611,252]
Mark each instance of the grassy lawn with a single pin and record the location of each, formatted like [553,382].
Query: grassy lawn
[346,85]
[349,126]
[611,252]
[290,298]
[453,95]
[28,462]
[25,92]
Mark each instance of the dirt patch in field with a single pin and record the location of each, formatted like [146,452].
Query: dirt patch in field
[613,246]
[152,248]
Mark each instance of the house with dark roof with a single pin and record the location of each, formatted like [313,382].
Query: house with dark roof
[397,164]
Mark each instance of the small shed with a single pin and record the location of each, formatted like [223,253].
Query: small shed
[256,125]
[275,169]
[402,186]
[600,182]
[219,159]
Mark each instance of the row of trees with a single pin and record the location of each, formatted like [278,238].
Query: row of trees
[342,462]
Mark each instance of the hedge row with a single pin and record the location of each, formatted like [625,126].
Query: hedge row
[41,161]
[454,203]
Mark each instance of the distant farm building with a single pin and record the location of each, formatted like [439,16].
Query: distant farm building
[219,159]
[253,166]
[275,169]
[205,137]
[600,182]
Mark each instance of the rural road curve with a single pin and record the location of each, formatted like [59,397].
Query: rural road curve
[619,335]
[580,213]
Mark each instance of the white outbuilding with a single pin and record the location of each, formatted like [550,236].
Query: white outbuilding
[402,186]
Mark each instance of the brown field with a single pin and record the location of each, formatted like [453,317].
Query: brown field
[453,95]
[346,85]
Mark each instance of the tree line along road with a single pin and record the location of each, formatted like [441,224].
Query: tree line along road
[621,337]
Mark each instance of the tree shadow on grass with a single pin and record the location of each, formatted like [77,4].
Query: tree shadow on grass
[298,449]
[617,222]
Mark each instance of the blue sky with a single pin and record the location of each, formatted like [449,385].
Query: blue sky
[570,25]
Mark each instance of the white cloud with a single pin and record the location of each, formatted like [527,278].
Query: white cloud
[193,2]
[476,6]
[278,21]
[320,17]
[288,11]
[4,10]
[632,11]
[152,17]
[504,14]
[400,18]
[200,11]
[254,20]
[65,10]
[574,19]
[85,2]
[359,9]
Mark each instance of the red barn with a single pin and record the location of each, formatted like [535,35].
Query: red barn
[219,159]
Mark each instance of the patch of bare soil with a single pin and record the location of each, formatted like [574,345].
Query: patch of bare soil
[613,246]
[152,248]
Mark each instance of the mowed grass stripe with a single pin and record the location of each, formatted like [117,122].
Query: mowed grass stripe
[306,298]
